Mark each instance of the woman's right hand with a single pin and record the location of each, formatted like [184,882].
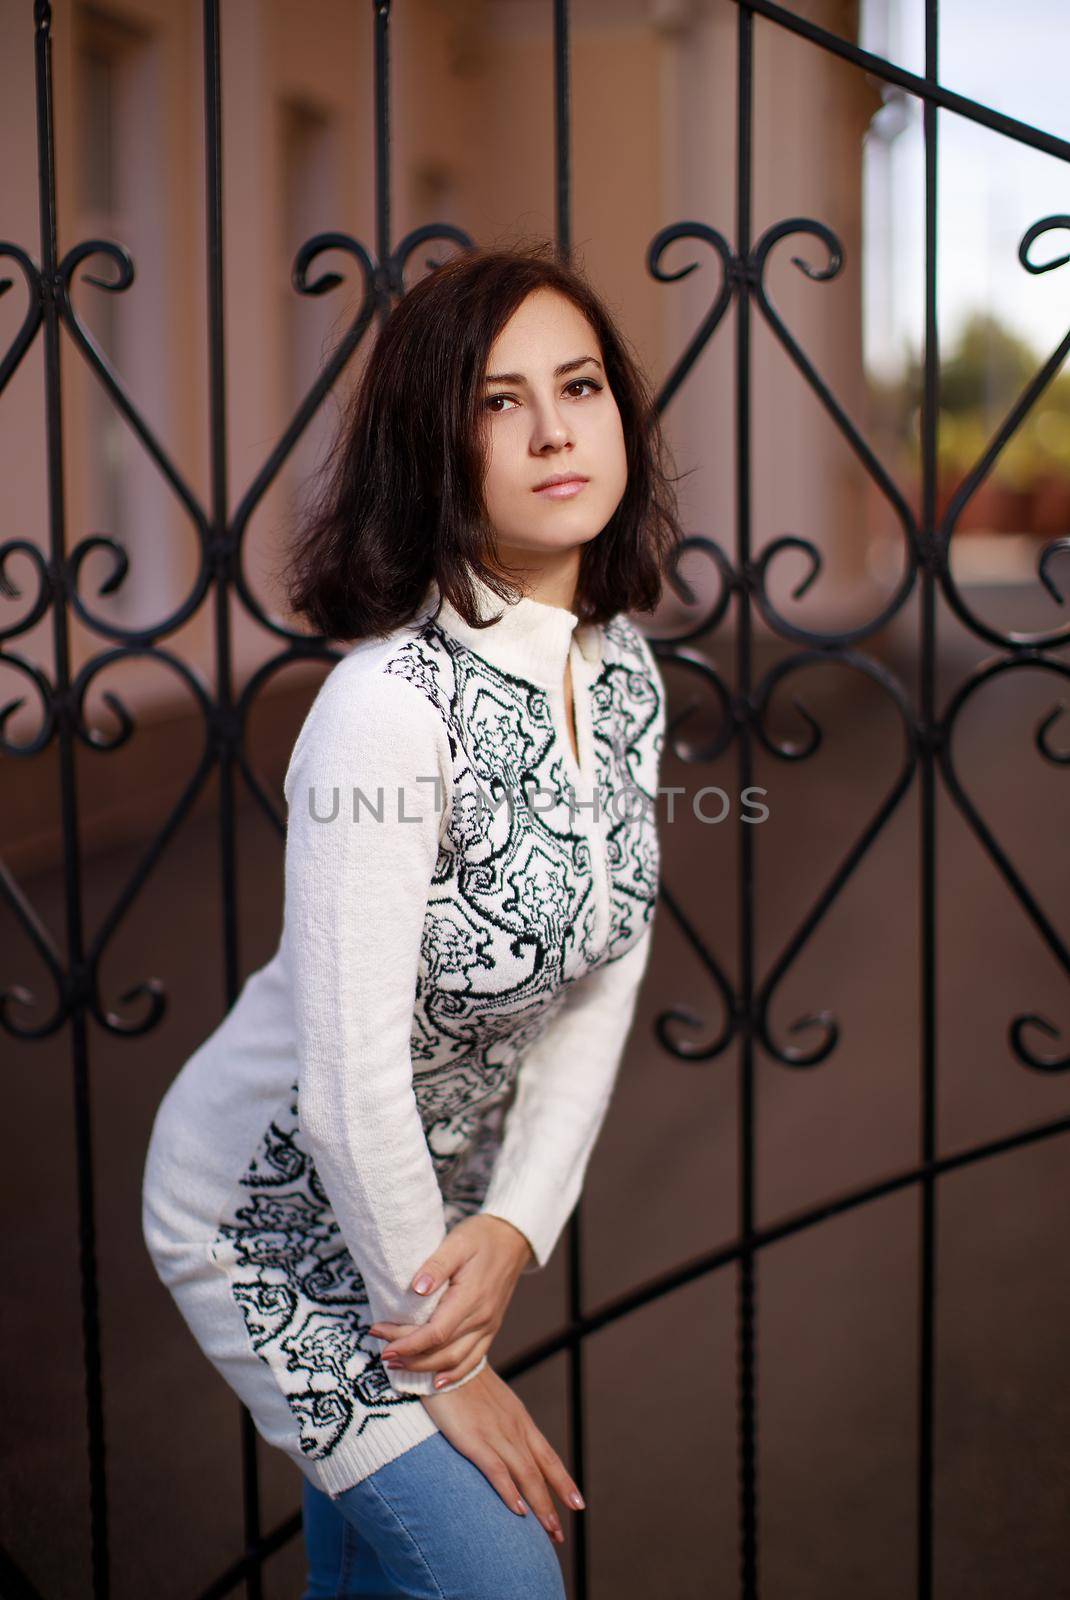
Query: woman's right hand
[485,1421]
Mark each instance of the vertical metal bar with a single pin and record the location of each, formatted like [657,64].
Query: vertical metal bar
[72,864]
[221,562]
[927,778]
[574,1262]
[562,131]
[382,160]
[747,1274]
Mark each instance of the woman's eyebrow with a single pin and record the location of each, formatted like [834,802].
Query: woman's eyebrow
[559,372]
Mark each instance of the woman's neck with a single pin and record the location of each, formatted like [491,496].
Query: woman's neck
[552,580]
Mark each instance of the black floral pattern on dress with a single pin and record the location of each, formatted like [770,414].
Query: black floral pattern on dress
[511,923]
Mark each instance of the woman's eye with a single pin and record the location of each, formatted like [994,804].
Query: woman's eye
[577,383]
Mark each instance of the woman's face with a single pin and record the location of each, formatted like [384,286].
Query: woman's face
[551,414]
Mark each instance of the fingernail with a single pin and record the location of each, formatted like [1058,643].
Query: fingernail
[522,1508]
[576,1499]
[389,1354]
[422,1284]
[554,1526]
[440,1383]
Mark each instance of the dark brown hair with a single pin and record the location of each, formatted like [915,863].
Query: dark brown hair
[402,500]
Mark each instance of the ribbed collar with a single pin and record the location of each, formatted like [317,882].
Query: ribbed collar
[531,639]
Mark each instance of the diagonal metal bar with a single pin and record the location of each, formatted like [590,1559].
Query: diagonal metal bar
[927,88]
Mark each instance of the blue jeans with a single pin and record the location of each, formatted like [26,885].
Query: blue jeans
[427,1525]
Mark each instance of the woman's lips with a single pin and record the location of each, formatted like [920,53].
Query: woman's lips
[563,491]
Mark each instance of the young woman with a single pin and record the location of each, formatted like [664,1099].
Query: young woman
[392,1123]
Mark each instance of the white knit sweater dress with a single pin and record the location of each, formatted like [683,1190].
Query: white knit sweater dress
[467,919]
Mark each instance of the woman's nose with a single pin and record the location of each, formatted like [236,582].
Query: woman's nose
[551,430]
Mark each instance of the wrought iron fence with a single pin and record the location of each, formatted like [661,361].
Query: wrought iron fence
[221,582]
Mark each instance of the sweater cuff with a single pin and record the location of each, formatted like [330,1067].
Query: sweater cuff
[519,1201]
[424,1382]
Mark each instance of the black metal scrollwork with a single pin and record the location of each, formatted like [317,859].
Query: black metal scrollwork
[735,714]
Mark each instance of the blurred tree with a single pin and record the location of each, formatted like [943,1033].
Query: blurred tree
[981,378]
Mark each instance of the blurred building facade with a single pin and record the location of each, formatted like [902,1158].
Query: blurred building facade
[471,144]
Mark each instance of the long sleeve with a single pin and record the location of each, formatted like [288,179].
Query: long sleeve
[563,1092]
[356,894]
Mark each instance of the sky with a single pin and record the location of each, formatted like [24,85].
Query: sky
[991,188]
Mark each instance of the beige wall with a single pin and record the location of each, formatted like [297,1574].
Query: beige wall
[653,120]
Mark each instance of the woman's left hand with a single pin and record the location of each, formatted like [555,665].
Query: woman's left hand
[482,1257]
